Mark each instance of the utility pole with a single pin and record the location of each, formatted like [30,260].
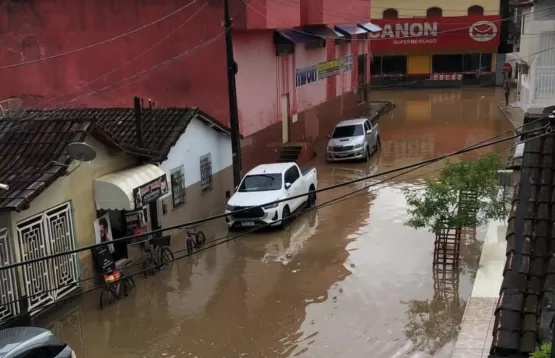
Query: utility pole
[232,92]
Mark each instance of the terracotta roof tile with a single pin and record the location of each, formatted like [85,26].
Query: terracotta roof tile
[528,287]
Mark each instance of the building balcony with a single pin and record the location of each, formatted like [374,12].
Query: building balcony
[272,14]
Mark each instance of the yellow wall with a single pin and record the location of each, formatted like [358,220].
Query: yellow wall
[417,8]
[419,64]
[78,187]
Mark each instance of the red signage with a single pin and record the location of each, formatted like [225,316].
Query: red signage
[437,33]
[507,67]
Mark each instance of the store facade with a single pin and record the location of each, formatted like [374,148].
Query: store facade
[435,51]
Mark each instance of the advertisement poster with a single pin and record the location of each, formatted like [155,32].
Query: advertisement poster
[136,224]
[150,191]
[329,68]
[103,231]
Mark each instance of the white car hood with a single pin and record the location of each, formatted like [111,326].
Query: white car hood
[254,198]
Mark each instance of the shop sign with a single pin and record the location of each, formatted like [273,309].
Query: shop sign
[445,32]
[314,73]
[151,191]
[446,76]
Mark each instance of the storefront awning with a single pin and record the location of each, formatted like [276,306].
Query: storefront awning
[115,191]
[323,32]
[296,37]
[350,29]
[370,27]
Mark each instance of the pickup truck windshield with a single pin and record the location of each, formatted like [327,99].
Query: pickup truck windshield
[348,131]
[261,182]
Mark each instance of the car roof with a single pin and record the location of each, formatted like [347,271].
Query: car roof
[351,122]
[13,338]
[273,168]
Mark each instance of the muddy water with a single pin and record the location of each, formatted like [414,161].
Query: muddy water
[349,280]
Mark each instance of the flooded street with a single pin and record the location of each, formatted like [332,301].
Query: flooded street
[346,280]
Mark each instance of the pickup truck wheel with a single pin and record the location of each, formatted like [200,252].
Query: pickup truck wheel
[285,217]
[378,142]
[367,154]
[311,201]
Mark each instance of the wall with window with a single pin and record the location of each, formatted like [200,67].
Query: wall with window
[199,172]
[419,8]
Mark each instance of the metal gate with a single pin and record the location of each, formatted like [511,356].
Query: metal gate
[48,233]
[9,292]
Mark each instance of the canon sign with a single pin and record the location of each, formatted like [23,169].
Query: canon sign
[414,33]
[455,32]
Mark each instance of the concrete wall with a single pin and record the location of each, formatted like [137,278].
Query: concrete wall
[264,77]
[199,140]
[536,89]
[144,63]
[417,8]
[78,188]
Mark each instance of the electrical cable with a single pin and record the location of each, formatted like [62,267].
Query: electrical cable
[228,238]
[379,39]
[196,222]
[62,54]
[341,198]
[131,60]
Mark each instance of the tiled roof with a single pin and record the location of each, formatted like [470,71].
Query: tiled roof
[161,127]
[31,144]
[524,310]
[28,151]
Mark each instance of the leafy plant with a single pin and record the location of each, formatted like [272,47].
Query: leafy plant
[544,352]
[439,203]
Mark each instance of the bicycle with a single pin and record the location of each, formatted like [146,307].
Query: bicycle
[195,239]
[160,255]
[117,285]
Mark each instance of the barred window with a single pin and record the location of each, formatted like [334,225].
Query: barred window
[177,177]
[206,172]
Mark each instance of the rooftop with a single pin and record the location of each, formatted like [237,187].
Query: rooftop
[524,310]
[33,146]
[272,168]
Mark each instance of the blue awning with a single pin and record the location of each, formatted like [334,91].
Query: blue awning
[350,29]
[296,37]
[323,32]
[370,27]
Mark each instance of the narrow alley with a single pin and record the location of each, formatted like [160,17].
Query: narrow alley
[346,280]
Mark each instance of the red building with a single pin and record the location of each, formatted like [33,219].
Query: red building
[300,62]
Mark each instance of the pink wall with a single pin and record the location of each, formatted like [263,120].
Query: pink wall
[263,78]
[30,30]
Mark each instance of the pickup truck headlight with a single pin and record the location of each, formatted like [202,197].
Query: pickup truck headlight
[330,149]
[271,206]
[229,208]
[360,145]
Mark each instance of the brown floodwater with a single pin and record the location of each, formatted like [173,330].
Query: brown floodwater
[348,280]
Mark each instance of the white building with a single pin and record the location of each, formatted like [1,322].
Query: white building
[534,56]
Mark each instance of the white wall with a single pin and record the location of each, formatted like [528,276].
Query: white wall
[537,43]
[198,140]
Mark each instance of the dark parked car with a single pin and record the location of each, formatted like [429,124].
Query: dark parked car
[32,342]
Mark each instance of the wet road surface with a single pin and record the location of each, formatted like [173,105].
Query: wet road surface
[348,280]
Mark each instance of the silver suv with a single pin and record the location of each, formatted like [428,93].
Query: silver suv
[32,342]
[353,139]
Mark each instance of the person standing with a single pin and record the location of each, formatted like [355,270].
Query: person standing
[507,89]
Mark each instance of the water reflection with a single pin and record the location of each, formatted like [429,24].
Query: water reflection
[433,323]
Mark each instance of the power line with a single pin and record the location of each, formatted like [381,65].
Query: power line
[228,238]
[62,54]
[214,217]
[131,60]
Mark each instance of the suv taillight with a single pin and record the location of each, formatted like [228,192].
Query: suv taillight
[73,354]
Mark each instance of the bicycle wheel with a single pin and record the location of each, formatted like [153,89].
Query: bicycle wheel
[108,296]
[201,239]
[167,256]
[190,245]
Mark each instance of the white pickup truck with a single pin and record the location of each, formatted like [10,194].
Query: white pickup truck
[252,203]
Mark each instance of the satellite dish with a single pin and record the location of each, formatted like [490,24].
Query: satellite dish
[81,151]
[10,106]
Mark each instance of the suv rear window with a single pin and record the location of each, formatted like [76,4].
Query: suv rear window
[348,131]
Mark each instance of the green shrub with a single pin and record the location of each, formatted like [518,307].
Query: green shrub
[544,352]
